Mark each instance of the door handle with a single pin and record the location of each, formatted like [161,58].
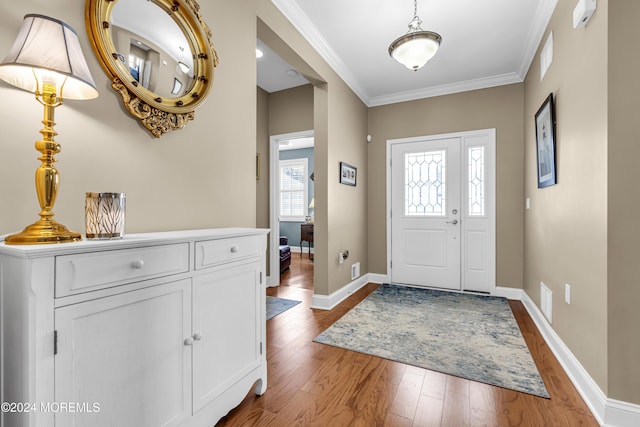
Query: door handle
[454,222]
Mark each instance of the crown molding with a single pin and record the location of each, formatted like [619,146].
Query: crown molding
[412,95]
[536,32]
[307,29]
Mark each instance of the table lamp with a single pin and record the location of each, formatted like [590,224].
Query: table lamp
[47,59]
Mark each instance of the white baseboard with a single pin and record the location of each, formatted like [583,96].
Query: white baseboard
[327,302]
[296,249]
[378,278]
[586,386]
[269,282]
[608,412]
[509,293]
[618,414]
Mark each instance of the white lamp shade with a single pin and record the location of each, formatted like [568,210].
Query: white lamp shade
[413,50]
[47,49]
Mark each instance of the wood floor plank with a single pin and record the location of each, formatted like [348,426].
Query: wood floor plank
[483,409]
[304,409]
[374,399]
[434,385]
[393,420]
[428,411]
[408,394]
[313,384]
[456,403]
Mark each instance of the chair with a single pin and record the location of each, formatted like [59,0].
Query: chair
[285,254]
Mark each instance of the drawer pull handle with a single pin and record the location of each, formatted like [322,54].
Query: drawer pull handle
[197,336]
[138,264]
[234,249]
[188,341]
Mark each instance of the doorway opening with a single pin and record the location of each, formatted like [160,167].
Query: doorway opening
[292,202]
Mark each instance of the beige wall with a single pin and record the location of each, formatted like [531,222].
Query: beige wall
[347,206]
[291,110]
[499,108]
[281,112]
[285,111]
[201,176]
[623,291]
[262,149]
[340,129]
[566,227]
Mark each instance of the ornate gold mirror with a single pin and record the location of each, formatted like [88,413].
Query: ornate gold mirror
[158,54]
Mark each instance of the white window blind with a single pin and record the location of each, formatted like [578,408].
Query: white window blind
[293,189]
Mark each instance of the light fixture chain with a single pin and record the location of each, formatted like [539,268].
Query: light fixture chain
[415,24]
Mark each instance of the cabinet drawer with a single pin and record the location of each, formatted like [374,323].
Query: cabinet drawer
[81,273]
[214,252]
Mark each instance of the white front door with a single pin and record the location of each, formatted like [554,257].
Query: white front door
[443,211]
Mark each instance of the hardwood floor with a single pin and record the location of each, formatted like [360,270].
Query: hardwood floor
[313,384]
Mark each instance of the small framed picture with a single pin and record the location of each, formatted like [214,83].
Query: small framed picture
[348,174]
[546,143]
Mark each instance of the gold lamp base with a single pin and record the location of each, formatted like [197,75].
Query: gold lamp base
[44,231]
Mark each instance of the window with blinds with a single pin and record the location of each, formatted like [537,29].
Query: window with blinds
[293,189]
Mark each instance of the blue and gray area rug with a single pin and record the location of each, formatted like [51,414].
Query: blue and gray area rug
[277,306]
[470,336]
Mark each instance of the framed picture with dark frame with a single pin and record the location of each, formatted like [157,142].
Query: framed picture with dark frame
[546,143]
[348,174]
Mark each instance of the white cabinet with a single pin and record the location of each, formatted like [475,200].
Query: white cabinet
[226,328]
[125,353]
[168,330]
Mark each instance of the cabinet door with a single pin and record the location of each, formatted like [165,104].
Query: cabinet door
[126,353]
[227,313]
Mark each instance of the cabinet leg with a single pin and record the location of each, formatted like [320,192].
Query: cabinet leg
[261,386]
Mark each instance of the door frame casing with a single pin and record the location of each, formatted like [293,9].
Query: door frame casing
[274,190]
[491,134]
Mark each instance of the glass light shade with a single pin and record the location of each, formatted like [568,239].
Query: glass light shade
[413,50]
[183,67]
[48,50]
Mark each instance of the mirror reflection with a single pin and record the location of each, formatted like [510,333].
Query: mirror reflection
[152,47]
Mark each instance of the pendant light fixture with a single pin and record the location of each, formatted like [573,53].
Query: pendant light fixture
[415,48]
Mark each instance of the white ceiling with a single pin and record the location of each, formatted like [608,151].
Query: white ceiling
[274,73]
[157,27]
[485,43]
[296,144]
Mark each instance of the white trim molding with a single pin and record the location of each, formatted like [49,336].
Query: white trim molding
[618,414]
[608,412]
[378,278]
[509,293]
[274,193]
[328,302]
